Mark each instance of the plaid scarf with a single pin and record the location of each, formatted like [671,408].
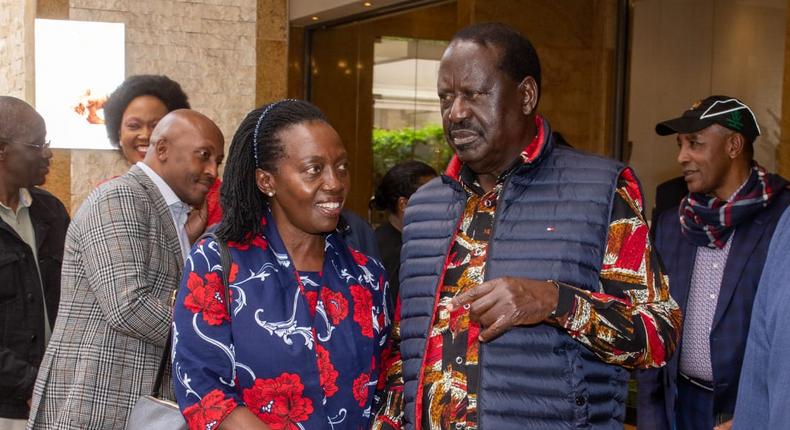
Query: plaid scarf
[708,221]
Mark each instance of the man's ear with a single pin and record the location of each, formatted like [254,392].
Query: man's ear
[265,181]
[161,147]
[529,93]
[402,202]
[736,144]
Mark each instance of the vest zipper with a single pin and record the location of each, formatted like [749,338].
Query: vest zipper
[486,277]
[418,397]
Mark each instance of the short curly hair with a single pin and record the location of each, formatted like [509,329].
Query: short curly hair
[518,57]
[159,86]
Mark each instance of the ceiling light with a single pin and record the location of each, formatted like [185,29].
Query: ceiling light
[314,18]
[367,4]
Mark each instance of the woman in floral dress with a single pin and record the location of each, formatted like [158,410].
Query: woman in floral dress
[301,346]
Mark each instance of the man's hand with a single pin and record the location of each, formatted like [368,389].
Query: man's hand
[196,222]
[502,303]
[727,425]
[29,403]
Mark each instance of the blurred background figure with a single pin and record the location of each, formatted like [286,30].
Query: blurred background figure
[392,195]
[669,194]
[32,231]
[130,115]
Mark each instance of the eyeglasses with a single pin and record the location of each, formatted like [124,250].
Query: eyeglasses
[39,146]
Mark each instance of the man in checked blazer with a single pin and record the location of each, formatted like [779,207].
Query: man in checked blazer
[123,259]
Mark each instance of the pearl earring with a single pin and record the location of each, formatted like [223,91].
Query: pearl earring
[270,194]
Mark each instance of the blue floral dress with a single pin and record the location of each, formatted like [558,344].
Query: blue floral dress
[300,350]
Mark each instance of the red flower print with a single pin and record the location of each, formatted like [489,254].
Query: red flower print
[326,371]
[312,300]
[360,389]
[238,245]
[207,297]
[335,304]
[257,242]
[279,402]
[260,242]
[209,412]
[380,319]
[359,257]
[234,272]
[363,309]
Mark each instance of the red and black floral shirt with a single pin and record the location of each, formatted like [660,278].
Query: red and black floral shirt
[633,322]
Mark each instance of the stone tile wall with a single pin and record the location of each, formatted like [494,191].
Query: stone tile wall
[14,50]
[208,46]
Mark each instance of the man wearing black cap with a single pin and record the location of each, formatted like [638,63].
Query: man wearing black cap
[714,246]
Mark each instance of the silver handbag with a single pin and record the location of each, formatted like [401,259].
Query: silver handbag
[153,413]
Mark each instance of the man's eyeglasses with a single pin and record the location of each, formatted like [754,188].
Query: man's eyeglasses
[39,146]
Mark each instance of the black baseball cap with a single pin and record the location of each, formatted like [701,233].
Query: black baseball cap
[726,111]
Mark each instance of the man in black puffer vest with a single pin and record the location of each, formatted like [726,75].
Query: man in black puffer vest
[528,282]
[32,232]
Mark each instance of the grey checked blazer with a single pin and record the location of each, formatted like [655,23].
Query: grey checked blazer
[121,263]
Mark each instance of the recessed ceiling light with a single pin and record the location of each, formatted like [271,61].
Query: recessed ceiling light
[314,18]
[367,4]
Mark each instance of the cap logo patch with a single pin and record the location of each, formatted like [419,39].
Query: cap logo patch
[695,105]
[732,107]
[735,121]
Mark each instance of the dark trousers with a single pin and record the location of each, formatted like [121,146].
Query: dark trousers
[694,407]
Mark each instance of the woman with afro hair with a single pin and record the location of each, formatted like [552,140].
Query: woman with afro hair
[130,115]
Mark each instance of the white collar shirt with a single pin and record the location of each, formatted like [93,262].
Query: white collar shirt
[179,211]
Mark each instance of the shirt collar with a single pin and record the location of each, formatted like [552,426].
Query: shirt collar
[25,200]
[167,193]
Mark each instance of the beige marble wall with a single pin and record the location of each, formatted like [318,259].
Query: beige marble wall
[271,51]
[52,9]
[16,49]
[208,46]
